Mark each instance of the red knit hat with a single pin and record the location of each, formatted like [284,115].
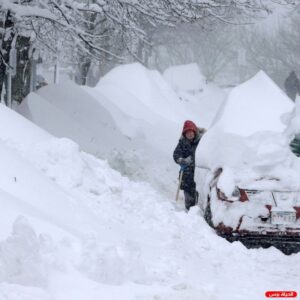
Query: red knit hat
[189,125]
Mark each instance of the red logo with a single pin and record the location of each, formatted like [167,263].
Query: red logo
[281,294]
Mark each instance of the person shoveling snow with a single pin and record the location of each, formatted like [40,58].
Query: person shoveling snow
[184,155]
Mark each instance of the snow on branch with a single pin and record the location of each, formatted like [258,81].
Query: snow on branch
[84,21]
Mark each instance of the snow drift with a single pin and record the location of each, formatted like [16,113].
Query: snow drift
[185,78]
[66,110]
[248,136]
[105,130]
[87,232]
[143,89]
[197,96]
[254,106]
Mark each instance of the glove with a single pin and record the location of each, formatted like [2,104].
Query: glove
[185,161]
[199,133]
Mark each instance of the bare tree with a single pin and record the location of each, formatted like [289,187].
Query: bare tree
[277,52]
[106,29]
[210,48]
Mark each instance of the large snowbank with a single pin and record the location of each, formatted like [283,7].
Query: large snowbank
[248,137]
[145,108]
[93,233]
[103,129]
[187,78]
[254,106]
[22,186]
[143,89]
[17,128]
[198,96]
[66,110]
[137,96]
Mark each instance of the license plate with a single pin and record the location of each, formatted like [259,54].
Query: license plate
[283,217]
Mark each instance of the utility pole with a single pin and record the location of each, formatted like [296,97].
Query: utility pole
[12,70]
[33,75]
[56,71]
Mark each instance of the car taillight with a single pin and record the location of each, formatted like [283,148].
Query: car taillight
[297,209]
[243,195]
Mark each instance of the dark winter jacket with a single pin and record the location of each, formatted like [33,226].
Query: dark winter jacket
[184,149]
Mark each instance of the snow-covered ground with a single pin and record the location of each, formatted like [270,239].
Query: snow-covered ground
[73,227]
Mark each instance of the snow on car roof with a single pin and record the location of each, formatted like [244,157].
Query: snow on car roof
[248,137]
[254,106]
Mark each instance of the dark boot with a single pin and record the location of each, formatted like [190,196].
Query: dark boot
[189,200]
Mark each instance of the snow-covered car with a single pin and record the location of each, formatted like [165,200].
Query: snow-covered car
[257,218]
[252,191]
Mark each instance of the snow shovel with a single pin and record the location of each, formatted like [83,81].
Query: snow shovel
[179,183]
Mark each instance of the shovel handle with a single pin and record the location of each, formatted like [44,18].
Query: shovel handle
[179,184]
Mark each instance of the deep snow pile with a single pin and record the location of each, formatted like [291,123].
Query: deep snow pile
[146,109]
[67,110]
[140,247]
[142,89]
[248,138]
[185,78]
[133,105]
[254,106]
[129,241]
[196,95]
[87,232]
[23,185]
[143,106]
